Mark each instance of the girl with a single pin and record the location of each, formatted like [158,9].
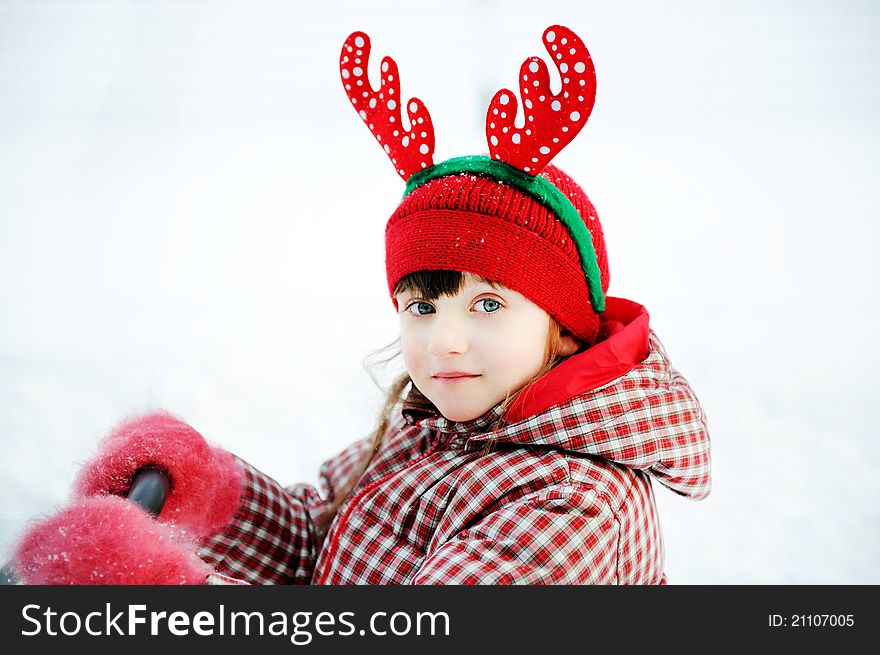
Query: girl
[520,444]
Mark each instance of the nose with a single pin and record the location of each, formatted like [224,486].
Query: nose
[448,337]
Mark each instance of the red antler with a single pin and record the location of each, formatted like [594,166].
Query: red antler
[409,150]
[552,121]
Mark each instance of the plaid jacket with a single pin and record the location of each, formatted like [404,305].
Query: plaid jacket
[564,497]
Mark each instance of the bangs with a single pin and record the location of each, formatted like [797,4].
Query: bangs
[430,285]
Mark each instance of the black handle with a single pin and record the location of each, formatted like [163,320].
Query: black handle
[149,489]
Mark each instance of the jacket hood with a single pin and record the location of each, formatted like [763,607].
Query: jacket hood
[620,400]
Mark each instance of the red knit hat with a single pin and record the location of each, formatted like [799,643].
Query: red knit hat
[476,224]
[495,216]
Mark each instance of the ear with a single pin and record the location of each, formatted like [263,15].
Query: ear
[569,344]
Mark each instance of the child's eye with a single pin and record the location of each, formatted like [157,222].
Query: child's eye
[419,308]
[489,305]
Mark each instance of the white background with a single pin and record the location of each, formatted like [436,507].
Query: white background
[191,218]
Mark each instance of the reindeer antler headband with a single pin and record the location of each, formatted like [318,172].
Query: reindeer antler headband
[517,155]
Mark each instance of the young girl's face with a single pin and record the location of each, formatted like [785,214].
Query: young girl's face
[466,352]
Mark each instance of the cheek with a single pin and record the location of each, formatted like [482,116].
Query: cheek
[525,360]
[521,352]
[410,361]
[412,353]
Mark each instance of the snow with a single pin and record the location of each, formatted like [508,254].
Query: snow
[192,219]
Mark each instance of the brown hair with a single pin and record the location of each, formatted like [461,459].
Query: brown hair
[429,285]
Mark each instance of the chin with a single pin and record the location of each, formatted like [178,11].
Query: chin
[459,414]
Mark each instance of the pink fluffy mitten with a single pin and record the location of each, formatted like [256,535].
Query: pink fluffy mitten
[103,538]
[107,540]
[206,482]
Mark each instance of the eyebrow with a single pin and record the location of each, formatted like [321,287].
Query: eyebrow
[486,288]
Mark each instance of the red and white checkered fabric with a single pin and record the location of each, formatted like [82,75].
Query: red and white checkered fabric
[565,497]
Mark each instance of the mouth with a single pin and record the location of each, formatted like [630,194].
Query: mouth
[454,377]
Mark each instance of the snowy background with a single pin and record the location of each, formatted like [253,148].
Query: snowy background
[191,217]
